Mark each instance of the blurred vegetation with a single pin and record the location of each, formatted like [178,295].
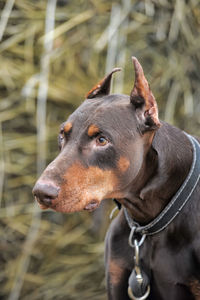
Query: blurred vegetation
[50,255]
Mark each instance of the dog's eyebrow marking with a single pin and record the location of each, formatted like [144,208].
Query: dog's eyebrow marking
[93,129]
[123,164]
[67,127]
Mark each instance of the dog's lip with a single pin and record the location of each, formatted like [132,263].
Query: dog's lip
[54,205]
[92,205]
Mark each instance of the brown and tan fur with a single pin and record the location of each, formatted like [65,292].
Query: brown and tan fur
[115,146]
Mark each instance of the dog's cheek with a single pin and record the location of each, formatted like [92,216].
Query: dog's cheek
[123,164]
[85,188]
[124,172]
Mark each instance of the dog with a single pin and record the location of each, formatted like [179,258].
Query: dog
[115,147]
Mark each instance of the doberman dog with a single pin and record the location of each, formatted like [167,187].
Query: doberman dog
[115,146]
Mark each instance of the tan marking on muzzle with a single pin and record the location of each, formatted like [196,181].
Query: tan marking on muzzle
[85,185]
[116,271]
[123,164]
[67,127]
[92,130]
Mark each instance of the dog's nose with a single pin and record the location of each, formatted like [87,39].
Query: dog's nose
[45,193]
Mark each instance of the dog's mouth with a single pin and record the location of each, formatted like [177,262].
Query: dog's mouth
[92,205]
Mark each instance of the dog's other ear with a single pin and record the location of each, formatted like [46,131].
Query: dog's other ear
[103,87]
[143,101]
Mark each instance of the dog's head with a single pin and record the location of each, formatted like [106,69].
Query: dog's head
[102,147]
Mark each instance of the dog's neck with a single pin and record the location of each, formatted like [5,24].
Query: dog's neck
[165,167]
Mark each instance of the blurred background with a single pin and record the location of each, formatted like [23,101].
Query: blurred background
[51,54]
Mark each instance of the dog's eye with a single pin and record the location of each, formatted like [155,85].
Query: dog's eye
[61,138]
[101,141]
[62,134]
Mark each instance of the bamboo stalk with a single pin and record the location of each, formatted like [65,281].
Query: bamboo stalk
[2,164]
[5,16]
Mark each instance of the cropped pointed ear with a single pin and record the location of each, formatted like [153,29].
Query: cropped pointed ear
[143,101]
[103,87]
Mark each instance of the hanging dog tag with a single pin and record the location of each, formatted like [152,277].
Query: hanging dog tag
[139,287]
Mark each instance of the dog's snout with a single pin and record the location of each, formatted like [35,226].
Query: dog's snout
[45,193]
